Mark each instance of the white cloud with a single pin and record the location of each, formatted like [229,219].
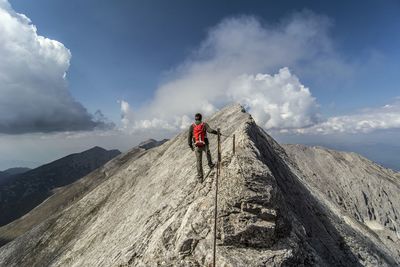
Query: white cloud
[275,101]
[126,114]
[231,65]
[33,94]
[278,101]
[129,123]
[364,121]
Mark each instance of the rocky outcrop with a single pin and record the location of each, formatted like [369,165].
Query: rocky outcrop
[150,211]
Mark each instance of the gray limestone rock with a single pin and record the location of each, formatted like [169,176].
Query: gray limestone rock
[150,210]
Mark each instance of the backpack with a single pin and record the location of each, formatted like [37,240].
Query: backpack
[199,134]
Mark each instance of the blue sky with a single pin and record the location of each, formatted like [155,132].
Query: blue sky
[138,51]
[120,50]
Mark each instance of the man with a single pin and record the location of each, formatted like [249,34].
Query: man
[198,137]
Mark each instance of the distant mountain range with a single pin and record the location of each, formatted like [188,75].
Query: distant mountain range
[70,193]
[6,174]
[28,189]
[381,153]
[150,143]
[6,163]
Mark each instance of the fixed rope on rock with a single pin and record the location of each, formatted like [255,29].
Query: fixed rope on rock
[218,172]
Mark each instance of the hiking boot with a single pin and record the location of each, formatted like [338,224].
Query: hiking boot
[211,165]
[200,179]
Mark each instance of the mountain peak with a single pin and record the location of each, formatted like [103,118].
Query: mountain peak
[150,143]
[151,211]
[28,189]
[231,110]
[96,148]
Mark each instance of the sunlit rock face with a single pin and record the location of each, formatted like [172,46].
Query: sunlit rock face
[149,210]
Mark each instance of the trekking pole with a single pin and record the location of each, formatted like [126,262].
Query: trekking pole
[216,195]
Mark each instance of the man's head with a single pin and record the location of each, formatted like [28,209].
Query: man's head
[197,118]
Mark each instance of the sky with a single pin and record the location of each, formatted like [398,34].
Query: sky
[75,74]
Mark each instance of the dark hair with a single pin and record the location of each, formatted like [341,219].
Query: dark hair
[197,116]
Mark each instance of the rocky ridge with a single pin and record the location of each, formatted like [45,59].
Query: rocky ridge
[150,211]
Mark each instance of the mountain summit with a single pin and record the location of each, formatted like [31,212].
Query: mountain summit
[150,210]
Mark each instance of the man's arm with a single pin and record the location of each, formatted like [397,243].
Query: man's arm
[209,129]
[190,136]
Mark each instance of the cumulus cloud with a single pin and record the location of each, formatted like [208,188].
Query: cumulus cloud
[34,96]
[243,60]
[275,101]
[278,101]
[364,121]
[130,124]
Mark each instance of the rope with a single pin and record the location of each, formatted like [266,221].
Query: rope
[216,196]
[216,187]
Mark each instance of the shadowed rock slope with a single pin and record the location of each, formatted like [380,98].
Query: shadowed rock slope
[25,191]
[8,174]
[68,194]
[150,211]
